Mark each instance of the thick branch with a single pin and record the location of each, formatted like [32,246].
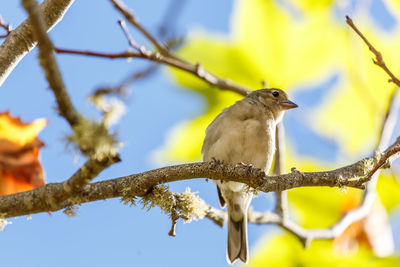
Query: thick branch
[21,40]
[75,183]
[97,162]
[35,201]
[49,64]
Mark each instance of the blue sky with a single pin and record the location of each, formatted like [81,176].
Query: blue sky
[108,233]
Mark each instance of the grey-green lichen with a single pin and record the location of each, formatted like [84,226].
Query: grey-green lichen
[187,205]
[368,164]
[126,198]
[111,107]
[4,223]
[93,139]
[250,190]
[70,211]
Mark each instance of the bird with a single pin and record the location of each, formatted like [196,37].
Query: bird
[244,134]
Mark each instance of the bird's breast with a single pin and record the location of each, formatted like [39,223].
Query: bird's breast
[236,137]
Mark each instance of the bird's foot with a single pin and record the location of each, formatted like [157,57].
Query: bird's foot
[217,161]
[248,167]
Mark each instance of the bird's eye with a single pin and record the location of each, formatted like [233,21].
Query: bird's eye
[275,93]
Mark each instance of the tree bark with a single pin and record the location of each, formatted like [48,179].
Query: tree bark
[21,40]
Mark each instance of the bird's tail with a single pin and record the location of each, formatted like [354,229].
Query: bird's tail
[237,240]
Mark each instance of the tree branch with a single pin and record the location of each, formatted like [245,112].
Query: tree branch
[371,178]
[128,14]
[21,40]
[77,190]
[378,56]
[281,206]
[307,235]
[197,70]
[164,56]
[97,161]
[128,36]
[166,34]
[6,27]
[49,64]
[36,200]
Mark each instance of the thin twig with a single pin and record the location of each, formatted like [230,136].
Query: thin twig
[307,235]
[126,54]
[133,20]
[281,206]
[162,56]
[372,176]
[120,89]
[129,37]
[378,56]
[166,29]
[197,70]
[6,27]
[163,50]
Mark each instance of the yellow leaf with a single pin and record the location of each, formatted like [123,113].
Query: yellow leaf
[388,187]
[312,5]
[14,130]
[353,113]
[288,51]
[185,140]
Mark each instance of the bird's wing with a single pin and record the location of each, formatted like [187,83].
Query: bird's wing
[221,199]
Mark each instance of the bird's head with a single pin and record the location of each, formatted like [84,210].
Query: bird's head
[275,100]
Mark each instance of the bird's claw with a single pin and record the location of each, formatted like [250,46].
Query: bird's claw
[248,167]
[217,161]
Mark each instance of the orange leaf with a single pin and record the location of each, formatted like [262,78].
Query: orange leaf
[20,168]
[373,232]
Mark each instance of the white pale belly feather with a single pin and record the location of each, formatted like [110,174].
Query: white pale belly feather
[232,186]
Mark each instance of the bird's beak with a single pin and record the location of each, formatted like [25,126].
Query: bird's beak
[287,104]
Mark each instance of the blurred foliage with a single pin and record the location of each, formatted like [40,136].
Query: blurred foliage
[328,204]
[286,250]
[292,49]
[14,130]
[20,168]
[296,45]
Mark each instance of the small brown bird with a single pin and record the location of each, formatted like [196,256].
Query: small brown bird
[244,134]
